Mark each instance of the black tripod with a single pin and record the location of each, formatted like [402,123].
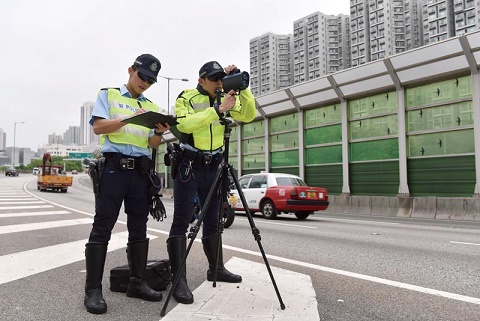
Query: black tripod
[221,181]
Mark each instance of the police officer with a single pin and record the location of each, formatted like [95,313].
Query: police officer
[202,138]
[124,178]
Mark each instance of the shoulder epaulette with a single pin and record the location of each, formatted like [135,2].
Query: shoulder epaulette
[189,93]
[181,94]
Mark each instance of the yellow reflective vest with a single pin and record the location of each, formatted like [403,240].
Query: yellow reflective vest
[121,107]
[199,120]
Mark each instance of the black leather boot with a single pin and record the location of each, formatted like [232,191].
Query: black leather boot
[176,246]
[95,254]
[137,253]
[210,249]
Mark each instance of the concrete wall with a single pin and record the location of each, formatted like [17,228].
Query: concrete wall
[444,208]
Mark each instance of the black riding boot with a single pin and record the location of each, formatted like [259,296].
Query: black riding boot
[137,253]
[210,249]
[95,254]
[176,246]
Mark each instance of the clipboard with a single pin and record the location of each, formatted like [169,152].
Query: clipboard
[150,118]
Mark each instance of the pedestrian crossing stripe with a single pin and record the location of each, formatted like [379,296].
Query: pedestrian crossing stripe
[25,207]
[7,229]
[19,265]
[19,202]
[41,213]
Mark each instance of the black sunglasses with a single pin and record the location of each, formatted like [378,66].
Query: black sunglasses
[215,77]
[151,81]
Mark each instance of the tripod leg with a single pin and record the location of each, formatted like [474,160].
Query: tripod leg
[193,234]
[256,234]
[214,258]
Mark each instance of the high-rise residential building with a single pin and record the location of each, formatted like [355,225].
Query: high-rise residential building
[270,63]
[72,136]
[444,19]
[55,139]
[323,44]
[317,41]
[413,24]
[320,45]
[86,131]
[386,28]
[438,21]
[466,16]
[344,54]
[359,32]
[3,140]
[381,28]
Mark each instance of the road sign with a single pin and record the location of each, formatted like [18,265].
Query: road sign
[80,155]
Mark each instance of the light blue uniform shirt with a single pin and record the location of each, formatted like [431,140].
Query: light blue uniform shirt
[102,109]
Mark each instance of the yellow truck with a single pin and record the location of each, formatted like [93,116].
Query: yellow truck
[50,177]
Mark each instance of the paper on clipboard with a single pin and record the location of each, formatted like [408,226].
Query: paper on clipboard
[150,118]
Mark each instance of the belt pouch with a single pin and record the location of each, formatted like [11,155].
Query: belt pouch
[144,165]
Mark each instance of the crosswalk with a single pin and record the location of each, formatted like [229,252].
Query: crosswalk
[43,236]
[17,205]
[52,257]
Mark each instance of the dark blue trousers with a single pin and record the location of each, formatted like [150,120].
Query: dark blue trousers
[116,187]
[188,182]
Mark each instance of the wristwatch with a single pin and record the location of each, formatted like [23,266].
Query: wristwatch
[217,109]
[158,134]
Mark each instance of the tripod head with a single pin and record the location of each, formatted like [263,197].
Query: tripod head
[226,121]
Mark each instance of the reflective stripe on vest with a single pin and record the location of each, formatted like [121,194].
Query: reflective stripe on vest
[120,107]
[209,137]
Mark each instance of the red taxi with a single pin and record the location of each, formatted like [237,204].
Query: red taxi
[274,193]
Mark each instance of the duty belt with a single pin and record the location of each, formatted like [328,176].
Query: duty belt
[121,161]
[198,157]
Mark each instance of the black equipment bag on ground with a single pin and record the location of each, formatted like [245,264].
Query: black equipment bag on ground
[158,276]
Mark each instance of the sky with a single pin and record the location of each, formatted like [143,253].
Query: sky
[56,54]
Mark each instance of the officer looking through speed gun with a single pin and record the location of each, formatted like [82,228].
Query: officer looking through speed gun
[200,114]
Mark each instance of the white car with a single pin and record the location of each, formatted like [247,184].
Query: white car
[274,193]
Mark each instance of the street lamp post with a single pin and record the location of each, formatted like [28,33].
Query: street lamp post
[14,137]
[168,89]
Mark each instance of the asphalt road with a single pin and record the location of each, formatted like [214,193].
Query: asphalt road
[360,268]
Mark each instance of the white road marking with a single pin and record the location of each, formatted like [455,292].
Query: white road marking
[24,207]
[22,264]
[44,225]
[253,299]
[464,243]
[407,286]
[23,214]
[10,194]
[276,223]
[401,285]
[20,203]
[17,198]
[358,221]
[56,204]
